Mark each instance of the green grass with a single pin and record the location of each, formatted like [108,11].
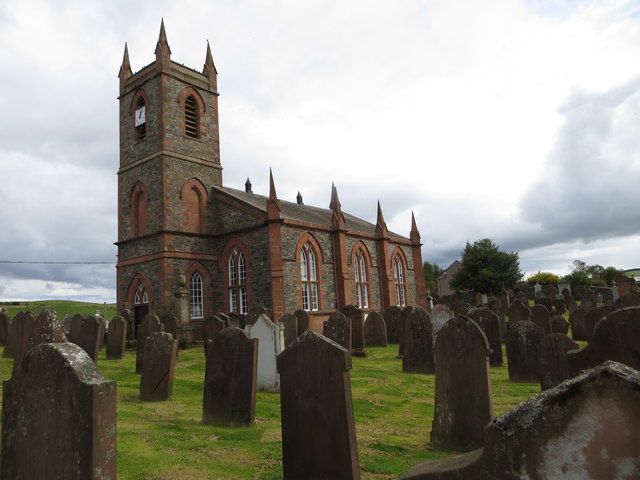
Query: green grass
[166,440]
[61,307]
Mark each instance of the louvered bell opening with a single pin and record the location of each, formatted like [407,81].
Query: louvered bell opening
[191,117]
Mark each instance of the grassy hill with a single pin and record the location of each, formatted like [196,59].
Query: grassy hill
[61,307]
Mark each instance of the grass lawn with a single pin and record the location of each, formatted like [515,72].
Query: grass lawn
[167,441]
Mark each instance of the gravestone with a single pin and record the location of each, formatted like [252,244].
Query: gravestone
[463,386]
[439,315]
[558,305]
[130,318]
[590,299]
[290,323]
[90,336]
[616,337]
[230,379]
[116,338]
[518,312]
[75,328]
[402,327]
[158,367]
[489,323]
[357,328]
[225,318]
[173,326]
[585,428]
[150,324]
[630,299]
[541,317]
[559,324]
[58,417]
[479,300]
[375,331]
[522,343]
[22,327]
[211,327]
[505,300]
[270,342]
[570,303]
[593,316]
[318,426]
[542,299]
[392,321]
[552,358]
[338,329]
[460,310]
[303,320]
[4,328]
[418,343]
[577,320]
[254,313]
[9,344]
[46,329]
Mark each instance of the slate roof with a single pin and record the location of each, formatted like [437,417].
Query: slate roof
[305,213]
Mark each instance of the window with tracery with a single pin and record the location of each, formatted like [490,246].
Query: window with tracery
[195,295]
[237,282]
[140,297]
[399,281]
[309,277]
[362,282]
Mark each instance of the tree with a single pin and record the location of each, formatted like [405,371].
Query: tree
[577,278]
[431,273]
[486,268]
[595,274]
[543,278]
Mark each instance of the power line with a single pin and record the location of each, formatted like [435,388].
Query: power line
[57,263]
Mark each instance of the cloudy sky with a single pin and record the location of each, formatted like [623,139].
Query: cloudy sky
[509,119]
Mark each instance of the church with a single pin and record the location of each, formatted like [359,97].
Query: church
[191,247]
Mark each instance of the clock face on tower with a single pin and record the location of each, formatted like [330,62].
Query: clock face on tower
[139,116]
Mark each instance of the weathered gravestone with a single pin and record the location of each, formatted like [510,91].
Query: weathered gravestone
[116,338]
[541,317]
[357,329]
[375,331]
[593,316]
[522,343]
[585,428]
[463,386]
[254,313]
[10,342]
[303,320]
[559,324]
[616,337]
[75,328]
[90,336]
[21,328]
[577,320]
[58,417]
[402,326]
[505,299]
[4,328]
[211,327]
[489,323]
[558,305]
[225,318]
[318,426]
[173,326]
[631,299]
[35,331]
[158,367]
[392,321]
[542,299]
[518,312]
[590,299]
[150,324]
[552,358]
[440,314]
[418,343]
[290,324]
[230,379]
[270,342]
[338,329]
[570,303]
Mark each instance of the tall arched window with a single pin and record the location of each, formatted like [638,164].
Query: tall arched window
[195,295]
[309,277]
[191,127]
[237,282]
[398,280]
[362,280]
[140,209]
[193,210]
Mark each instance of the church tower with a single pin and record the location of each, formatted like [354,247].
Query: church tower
[169,160]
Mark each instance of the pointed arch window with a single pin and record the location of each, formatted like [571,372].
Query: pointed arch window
[191,120]
[195,295]
[140,297]
[139,119]
[399,281]
[309,278]
[237,282]
[362,280]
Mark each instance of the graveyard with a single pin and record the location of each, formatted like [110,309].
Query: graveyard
[167,439]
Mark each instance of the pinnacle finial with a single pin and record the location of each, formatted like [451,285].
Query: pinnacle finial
[125,68]
[272,186]
[415,234]
[163,52]
[381,226]
[335,201]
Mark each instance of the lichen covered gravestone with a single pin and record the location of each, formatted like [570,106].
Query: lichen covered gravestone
[58,417]
[552,359]
[338,329]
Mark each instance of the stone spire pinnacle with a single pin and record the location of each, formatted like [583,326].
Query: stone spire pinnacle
[163,52]
[210,69]
[337,219]
[273,204]
[381,226]
[335,202]
[125,69]
[415,234]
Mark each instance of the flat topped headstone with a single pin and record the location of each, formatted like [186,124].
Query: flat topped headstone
[357,326]
[156,381]
[578,319]
[318,426]
[230,379]
[418,343]
[116,338]
[271,342]
[630,299]
[58,417]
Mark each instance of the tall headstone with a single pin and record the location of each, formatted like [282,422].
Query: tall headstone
[463,405]
[578,319]
[318,426]
[90,336]
[230,379]
[518,312]
[392,320]
[150,324]
[173,326]
[505,300]
[338,329]
[489,323]
[552,358]
[559,324]
[541,317]
[522,343]
[303,320]
[570,303]
[290,324]
[440,314]
[418,343]
[375,331]
[58,417]
[402,326]
[116,338]
[211,327]
[158,367]
[22,328]
[4,328]
[75,329]
[270,342]
[357,327]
